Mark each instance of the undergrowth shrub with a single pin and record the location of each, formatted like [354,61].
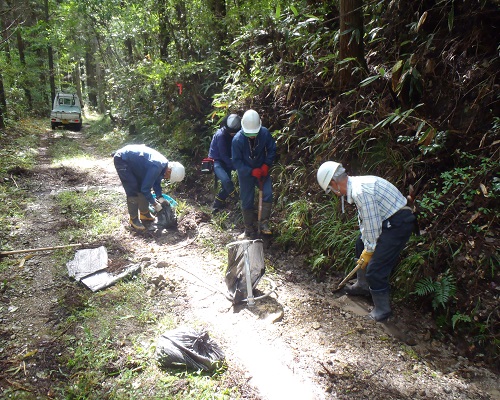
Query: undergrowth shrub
[442,289]
[319,230]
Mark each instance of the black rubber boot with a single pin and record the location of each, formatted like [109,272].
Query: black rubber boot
[233,197]
[264,222]
[133,210]
[137,224]
[144,213]
[148,217]
[218,205]
[382,301]
[248,220]
[360,287]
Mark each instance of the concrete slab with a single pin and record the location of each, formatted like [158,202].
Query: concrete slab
[89,267]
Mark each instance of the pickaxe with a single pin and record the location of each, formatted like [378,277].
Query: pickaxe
[259,212]
[349,276]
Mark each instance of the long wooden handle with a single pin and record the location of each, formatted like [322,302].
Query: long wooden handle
[259,213]
[349,276]
[5,253]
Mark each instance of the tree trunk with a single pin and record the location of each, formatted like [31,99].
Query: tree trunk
[351,41]
[164,37]
[5,22]
[90,66]
[130,50]
[3,103]
[101,88]
[218,8]
[50,55]
[77,77]
[22,58]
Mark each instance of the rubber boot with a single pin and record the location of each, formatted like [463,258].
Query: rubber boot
[133,210]
[218,205]
[360,287]
[382,309]
[144,213]
[248,219]
[264,219]
[233,197]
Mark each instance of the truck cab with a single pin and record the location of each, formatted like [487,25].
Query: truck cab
[66,111]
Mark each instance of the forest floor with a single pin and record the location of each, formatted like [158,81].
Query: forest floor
[305,341]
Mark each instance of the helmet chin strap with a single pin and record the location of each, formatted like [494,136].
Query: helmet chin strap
[337,191]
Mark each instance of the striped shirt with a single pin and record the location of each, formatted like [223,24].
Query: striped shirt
[376,200]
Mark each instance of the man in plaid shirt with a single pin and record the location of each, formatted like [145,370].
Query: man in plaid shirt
[385,222]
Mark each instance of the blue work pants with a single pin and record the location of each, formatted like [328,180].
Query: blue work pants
[224,176]
[396,232]
[247,190]
[131,183]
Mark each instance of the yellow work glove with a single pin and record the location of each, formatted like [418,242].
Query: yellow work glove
[364,259]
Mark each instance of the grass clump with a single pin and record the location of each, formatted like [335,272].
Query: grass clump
[111,350]
[87,213]
[320,230]
[103,135]
[18,155]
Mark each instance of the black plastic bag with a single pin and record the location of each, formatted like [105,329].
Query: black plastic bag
[185,347]
[236,277]
[166,218]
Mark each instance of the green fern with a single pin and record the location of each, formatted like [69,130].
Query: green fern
[442,289]
[459,318]
[425,286]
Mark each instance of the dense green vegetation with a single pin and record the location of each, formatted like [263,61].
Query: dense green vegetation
[410,94]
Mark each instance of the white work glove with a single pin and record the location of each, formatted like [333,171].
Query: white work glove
[157,206]
[162,200]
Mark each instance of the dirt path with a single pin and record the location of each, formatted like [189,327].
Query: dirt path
[304,342]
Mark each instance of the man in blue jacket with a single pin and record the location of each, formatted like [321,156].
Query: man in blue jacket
[220,152]
[253,151]
[141,169]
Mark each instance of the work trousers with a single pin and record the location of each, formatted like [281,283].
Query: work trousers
[131,183]
[396,232]
[247,191]
[224,176]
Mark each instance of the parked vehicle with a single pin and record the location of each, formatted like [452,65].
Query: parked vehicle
[66,112]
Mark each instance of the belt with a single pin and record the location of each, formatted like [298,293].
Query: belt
[401,210]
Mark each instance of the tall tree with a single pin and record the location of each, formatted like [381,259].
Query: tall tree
[218,8]
[3,103]
[351,40]
[22,58]
[163,29]
[50,54]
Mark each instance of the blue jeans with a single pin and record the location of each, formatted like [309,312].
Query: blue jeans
[396,232]
[224,176]
[247,191]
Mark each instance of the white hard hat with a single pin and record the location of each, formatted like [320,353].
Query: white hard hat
[250,123]
[178,171]
[326,172]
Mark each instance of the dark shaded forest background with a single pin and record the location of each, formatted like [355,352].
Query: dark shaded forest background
[407,90]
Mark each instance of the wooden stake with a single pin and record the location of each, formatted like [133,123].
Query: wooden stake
[5,253]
